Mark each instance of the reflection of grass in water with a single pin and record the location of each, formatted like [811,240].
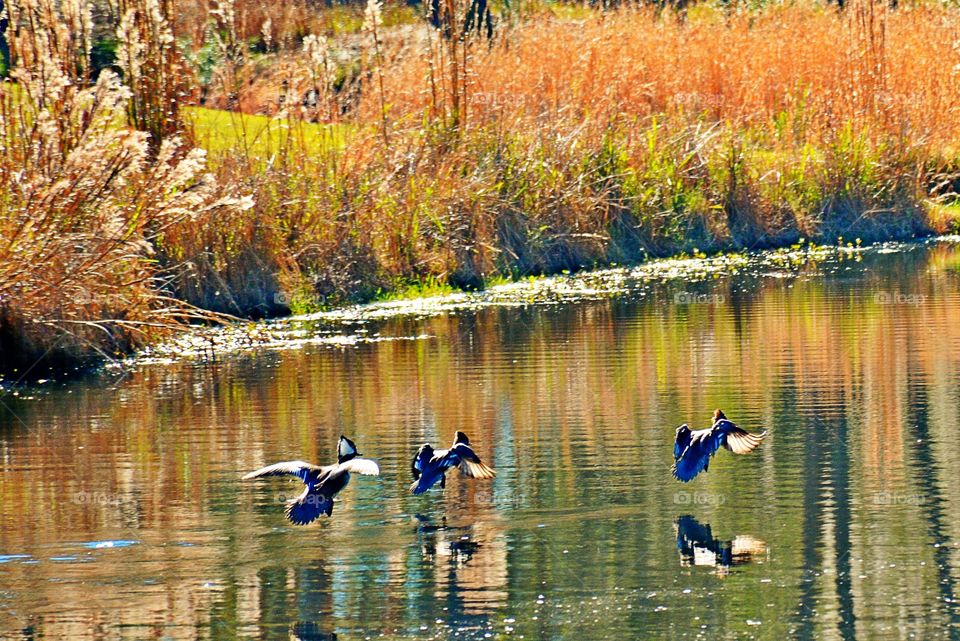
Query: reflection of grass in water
[432,297]
[615,414]
[943,256]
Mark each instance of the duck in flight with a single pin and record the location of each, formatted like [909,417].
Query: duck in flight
[693,448]
[429,465]
[322,482]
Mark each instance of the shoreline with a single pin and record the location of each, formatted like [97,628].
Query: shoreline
[601,283]
[416,300]
[209,344]
[563,144]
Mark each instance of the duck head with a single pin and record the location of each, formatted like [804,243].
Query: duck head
[460,437]
[346,450]
[718,415]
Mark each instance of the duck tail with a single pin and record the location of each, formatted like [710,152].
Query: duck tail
[422,484]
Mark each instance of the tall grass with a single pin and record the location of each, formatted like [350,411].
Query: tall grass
[622,135]
[563,142]
[83,200]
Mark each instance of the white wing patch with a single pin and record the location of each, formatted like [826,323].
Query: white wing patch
[362,466]
[740,441]
[294,468]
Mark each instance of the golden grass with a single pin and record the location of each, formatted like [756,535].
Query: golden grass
[574,139]
[84,200]
[820,68]
[619,135]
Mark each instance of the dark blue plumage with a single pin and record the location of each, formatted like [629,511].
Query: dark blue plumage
[429,465]
[693,448]
[322,482]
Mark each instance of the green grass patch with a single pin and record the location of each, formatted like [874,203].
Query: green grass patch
[261,137]
[425,287]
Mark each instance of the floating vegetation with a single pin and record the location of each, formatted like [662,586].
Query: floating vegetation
[359,324]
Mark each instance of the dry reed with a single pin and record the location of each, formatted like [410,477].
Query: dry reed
[560,144]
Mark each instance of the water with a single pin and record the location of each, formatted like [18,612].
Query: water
[123,516]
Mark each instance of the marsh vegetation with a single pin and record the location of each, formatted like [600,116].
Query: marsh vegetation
[161,163]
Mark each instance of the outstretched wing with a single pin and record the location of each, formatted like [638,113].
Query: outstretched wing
[309,506]
[463,456]
[738,441]
[299,469]
[429,466]
[683,440]
[703,444]
[420,460]
[361,466]
[695,457]
[427,479]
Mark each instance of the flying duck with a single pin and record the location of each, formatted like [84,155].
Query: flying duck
[429,465]
[322,482]
[693,448]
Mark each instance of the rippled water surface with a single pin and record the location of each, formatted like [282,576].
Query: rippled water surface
[122,513]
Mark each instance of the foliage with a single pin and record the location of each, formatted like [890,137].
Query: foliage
[399,157]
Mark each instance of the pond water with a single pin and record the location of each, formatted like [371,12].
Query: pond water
[122,513]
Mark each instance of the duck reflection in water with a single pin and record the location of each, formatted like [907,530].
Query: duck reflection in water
[468,564]
[458,547]
[310,631]
[698,546]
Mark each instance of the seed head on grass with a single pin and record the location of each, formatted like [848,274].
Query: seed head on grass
[373,16]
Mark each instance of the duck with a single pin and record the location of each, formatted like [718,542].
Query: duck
[429,465]
[693,448]
[322,482]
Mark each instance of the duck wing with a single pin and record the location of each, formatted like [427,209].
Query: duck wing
[361,466]
[695,457]
[307,507]
[317,498]
[735,439]
[420,460]
[682,441]
[703,444]
[429,466]
[463,456]
[299,469]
